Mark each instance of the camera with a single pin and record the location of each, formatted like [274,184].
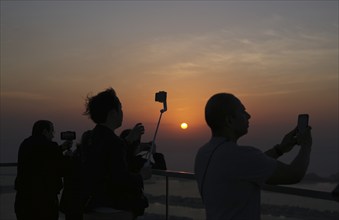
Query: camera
[161,96]
[68,135]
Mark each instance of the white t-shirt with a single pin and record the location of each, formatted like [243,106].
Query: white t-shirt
[234,176]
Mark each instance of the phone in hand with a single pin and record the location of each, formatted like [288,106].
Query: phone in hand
[302,122]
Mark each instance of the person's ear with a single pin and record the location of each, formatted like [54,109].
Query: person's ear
[45,132]
[228,121]
[111,115]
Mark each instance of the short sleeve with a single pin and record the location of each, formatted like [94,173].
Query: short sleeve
[255,166]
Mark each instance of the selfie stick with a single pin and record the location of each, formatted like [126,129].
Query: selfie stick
[156,131]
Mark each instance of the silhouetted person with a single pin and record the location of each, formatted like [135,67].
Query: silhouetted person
[70,202]
[116,193]
[41,166]
[229,175]
[136,160]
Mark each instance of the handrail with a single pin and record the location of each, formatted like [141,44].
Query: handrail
[176,174]
[277,189]
[8,164]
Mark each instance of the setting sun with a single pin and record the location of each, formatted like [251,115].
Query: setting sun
[184,125]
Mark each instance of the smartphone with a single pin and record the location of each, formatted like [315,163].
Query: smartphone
[302,122]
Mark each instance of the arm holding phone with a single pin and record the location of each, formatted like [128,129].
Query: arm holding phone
[290,139]
[295,171]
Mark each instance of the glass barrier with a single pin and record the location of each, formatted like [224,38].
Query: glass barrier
[278,206]
[155,191]
[185,203]
[180,192]
[7,193]
[183,199]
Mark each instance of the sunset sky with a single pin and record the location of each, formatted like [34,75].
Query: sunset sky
[280,58]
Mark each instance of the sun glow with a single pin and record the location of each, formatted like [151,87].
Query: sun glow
[184,125]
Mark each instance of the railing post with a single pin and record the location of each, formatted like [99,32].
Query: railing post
[166,197]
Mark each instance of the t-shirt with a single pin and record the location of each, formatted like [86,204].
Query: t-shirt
[233,178]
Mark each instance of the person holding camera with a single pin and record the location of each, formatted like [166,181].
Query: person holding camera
[70,202]
[230,176]
[114,192]
[41,165]
[136,161]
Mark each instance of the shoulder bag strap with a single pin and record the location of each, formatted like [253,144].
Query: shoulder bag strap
[208,163]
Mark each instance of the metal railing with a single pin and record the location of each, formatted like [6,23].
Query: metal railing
[330,196]
[278,189]
[8,164]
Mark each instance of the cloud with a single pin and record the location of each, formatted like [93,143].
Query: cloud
[24,95]
[222,48]
[264,62]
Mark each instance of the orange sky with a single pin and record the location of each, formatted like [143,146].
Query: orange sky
[280,58]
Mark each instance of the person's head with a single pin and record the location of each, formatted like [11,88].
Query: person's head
[43,127]
[226,116]
[104,108]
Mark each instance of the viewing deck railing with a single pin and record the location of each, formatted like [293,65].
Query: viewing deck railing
[285,190]
[331,196]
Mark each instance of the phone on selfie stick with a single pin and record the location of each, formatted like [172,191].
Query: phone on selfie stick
[302,122]
[160,96]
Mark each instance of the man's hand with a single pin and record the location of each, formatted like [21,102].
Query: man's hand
[304,139]
[68,153]
[135,133]
[288,142]
[66,145]
[294,172]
